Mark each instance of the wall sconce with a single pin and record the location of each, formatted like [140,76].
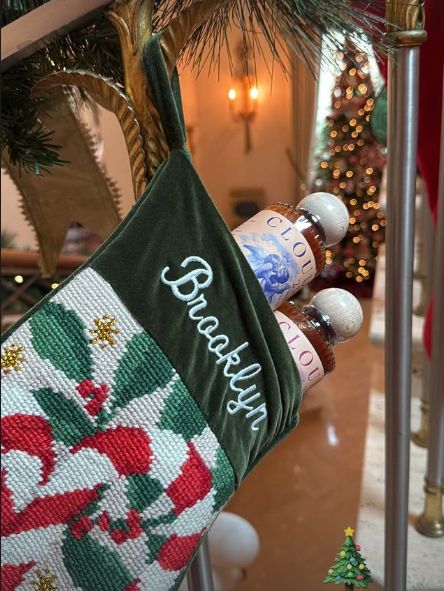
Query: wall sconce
[243,96]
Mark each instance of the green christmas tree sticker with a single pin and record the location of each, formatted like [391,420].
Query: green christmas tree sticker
[349,567]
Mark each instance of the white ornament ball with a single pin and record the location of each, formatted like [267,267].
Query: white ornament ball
[331,212]
[227,579]
[233,542]
[342,309]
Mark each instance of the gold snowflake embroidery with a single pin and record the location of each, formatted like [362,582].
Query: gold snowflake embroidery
[45,581]
[104,331]
[12,358]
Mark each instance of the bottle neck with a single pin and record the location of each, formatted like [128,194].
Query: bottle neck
[313,219]
[321,323]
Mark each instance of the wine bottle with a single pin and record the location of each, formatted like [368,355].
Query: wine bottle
[332,316]
[285,244]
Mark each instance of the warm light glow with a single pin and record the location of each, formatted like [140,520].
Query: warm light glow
[333,133]
[362,88]
[54,285]
[356,239]
[352,220]
[349,274]
[353,201]
[353,122]
[352,72]
[362,262]
[349,174]
[359,279]
[18,279]
[369,170]
[342,185]
[254,93]
[324,164]
[375,227]
[232,94]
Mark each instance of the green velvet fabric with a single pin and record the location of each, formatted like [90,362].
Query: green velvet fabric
[177,219]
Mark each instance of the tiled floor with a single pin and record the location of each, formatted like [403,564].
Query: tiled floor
[307,490]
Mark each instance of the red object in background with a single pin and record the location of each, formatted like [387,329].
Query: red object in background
[428,329]
[429,118]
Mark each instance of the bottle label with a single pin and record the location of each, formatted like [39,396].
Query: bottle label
[278,253]
[304,354]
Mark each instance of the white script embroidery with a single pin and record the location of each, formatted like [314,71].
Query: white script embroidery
[186,288]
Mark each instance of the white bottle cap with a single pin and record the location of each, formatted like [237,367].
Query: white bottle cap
[331,212]
[342,309]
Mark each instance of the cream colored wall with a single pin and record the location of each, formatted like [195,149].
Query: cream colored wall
[219,156]
[12,218]
[218,140]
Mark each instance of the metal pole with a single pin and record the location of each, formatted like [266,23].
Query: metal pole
[404,43]
[431,522]
[200,575]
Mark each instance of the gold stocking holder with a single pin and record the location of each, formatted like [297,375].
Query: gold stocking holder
[134,109]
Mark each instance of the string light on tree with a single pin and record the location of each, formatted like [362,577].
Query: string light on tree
[350,167]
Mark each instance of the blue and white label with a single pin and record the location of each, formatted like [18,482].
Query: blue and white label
[278,253]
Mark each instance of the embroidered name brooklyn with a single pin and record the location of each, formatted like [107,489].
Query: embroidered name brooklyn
[187,288]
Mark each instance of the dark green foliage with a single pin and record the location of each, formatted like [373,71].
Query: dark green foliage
[94,47]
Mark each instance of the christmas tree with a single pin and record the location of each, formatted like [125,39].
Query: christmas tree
[350,166]
[349,567]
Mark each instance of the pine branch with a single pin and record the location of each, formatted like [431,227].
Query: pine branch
[94,47]
[281,25]
[298,25]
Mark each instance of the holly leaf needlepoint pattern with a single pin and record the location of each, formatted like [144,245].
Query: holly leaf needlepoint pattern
[68,421]
[142,369]
[58,335]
